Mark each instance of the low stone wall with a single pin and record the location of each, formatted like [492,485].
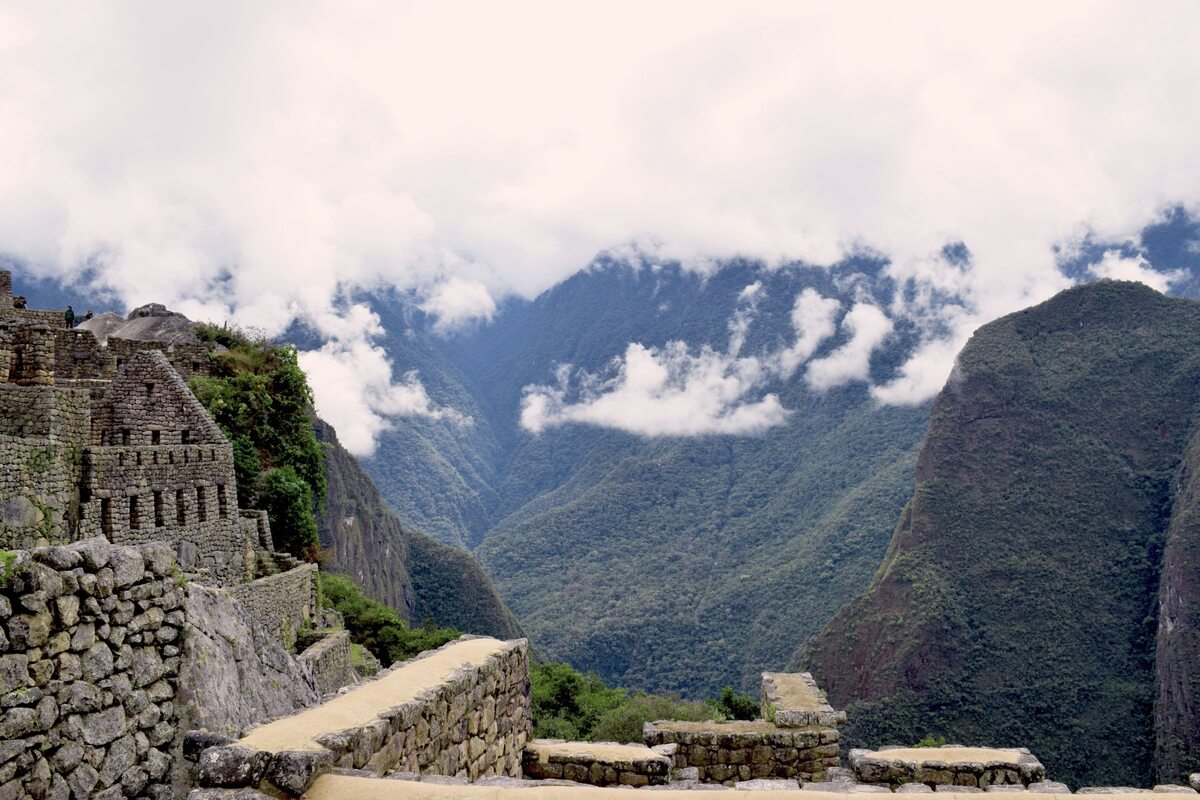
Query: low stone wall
[725,752]
[950,765]
[329,659]
[90,670]
[597,763]
[472,721]
[281,603]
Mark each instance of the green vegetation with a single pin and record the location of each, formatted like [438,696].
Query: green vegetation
[567,704]
[260,397]
[377,627]
[931,741]
[1019,600]
[7,559]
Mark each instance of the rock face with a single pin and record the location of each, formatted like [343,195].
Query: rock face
[235,673]
[1050,530]
[415,575]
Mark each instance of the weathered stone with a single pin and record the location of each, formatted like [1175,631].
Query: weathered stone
[67,757]
[83,780]
[26,631]
[121,756]
[1049,787]
[67,608]
[16,722]
[294,771]
[231,766]
[146,666]
[14,672]
[97,662]
[80,697]
[101,727]
[767,784]
[1167,788]
[84,637]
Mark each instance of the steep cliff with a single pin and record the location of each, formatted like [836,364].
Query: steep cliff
[419,577]
[1019,599]
[1177,657]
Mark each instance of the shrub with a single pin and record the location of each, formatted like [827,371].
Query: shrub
[287,499]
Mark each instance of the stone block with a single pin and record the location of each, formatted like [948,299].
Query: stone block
[231,766]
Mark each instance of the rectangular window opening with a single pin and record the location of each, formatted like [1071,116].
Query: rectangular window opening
[158,510]
[149,390]
[134,520]
[124,435]
[155,437]
[222,503]
[106,517]
[180,508]
[185,436]
[201,507]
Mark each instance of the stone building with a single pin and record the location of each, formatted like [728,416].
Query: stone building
[105,438]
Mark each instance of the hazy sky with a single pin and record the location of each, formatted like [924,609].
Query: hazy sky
[252,160]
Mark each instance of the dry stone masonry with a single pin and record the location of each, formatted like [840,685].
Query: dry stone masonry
[461,710]
[598,763]
[950,765]
[89,676]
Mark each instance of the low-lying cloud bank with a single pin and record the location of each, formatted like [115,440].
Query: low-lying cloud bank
[257,162]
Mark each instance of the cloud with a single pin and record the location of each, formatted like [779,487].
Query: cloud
[356,393]
[664,391]
[813,319]
[455,302]
[260,161]
[671,391]
[868,327]
[1136,268]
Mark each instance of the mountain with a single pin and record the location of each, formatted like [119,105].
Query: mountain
[1040,588]
[662,563]
[419,577]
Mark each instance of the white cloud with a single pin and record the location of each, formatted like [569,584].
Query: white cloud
[813,318]
[258,160]
[455,302]
[1137,268]
[868,327]
[670,391]
[664,391]
[356,393]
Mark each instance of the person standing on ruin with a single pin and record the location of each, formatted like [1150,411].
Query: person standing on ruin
[69,316]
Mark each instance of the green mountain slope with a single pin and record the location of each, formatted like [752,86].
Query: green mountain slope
[419,577]
[661,563]
[1018,602]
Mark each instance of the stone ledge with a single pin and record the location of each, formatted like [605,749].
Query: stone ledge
[793,700]
[955,765]
[596,763]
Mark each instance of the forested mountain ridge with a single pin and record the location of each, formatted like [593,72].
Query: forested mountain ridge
[663,563]
[419,577]
[1052,523]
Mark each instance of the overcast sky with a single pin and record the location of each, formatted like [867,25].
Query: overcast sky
[251,160]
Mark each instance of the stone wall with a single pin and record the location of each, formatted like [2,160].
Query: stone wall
[329,660]
[90,669]
[949,765]
[185,495]
[40,451]
[597,763]
[149,404]
[740,751]
[282,603]
[472,725]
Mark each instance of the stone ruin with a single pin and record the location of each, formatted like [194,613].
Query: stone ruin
[137,599]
